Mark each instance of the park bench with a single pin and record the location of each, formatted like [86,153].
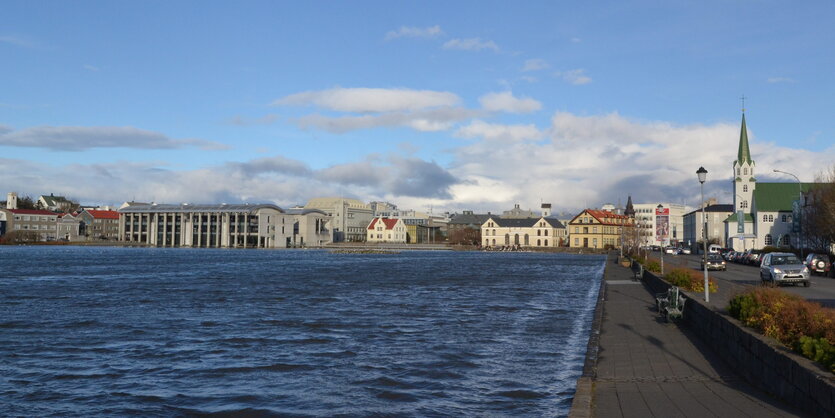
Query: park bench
[670,304]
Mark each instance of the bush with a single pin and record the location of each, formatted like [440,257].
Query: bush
[688,279]
[652,265]
[803,326]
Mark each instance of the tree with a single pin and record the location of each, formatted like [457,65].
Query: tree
[26,202]
[819,213]
[21,237]
[465,236]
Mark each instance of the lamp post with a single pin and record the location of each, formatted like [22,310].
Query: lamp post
[799,208]
[660,206]
[702,173]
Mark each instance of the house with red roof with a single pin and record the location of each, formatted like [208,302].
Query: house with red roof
[99,224]
[387,230]
[598,229]
[37,225]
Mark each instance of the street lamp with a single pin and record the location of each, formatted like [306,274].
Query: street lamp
[702,173]
[799,199]
[658,210]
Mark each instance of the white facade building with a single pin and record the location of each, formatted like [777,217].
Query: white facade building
[349,218]
[650,221]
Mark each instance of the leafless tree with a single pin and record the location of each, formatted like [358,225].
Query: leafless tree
[819,213]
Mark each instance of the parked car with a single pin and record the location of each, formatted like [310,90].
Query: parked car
[729,256]
[783,268]
[685,250]
[714,262]
[818,263]
[754,257]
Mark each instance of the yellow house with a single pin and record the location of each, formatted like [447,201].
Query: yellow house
[597,229]
[540,232]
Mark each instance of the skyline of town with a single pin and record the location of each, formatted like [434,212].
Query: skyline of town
[577,105]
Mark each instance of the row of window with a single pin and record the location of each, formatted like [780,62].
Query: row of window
[783,218]
[516,241]
[745,171]
[784,240]
[35,227]
[539,232]
[35,218]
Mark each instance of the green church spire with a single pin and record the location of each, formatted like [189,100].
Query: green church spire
[744,154]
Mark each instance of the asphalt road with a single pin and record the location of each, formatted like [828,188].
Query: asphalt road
[822,289]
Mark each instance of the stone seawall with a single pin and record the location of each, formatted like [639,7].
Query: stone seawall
[581,404]
[762,361]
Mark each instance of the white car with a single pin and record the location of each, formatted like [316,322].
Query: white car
[685,251]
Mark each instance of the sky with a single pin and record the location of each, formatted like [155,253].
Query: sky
[433,105]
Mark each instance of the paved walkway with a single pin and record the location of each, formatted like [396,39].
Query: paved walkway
[649,368]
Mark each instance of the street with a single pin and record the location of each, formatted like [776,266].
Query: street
[822,289]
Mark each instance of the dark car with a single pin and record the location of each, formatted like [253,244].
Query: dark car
[754,257]
[715,262]
[818,263]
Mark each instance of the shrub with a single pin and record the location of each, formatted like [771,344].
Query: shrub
[804,326]
[652,265]
[688,279]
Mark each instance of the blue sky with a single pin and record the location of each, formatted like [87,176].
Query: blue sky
[454,105]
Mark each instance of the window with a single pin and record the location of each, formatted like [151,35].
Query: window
[744,204]
[576,229]
[538,243]
[768,241]
[744,171]
[765,219]
[594,242]
[546,234]
[546,242]
[594,230]
[744,189]
[786,239]
[538,233]
[737,171]
[576,241]
[770,218]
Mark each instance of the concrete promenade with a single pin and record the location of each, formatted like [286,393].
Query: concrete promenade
[649,368]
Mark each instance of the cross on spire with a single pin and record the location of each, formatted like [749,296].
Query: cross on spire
[743,103]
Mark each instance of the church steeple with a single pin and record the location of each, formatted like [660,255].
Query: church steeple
[744,154]
[630,209]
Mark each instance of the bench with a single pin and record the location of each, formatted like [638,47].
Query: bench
[670,304]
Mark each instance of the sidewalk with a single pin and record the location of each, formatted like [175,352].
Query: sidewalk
[649,368]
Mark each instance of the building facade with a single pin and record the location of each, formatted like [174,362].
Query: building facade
[386,230]
[349,218]
[210,226]
[694,231]
[40,224]
[598,229]
[99,224]
[541,232]
[661,223]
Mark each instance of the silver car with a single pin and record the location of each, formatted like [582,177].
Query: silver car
[777,269]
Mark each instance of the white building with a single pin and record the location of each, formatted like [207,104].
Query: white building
[765,212]
[662,225]
[715,215]
[386,230]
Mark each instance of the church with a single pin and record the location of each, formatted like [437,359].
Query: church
[766,213]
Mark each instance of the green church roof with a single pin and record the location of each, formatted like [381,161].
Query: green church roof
[744,154]
[733,218]
[777,197]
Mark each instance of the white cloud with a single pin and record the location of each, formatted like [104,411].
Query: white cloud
[576,77]
[506,102]
[414,32]
[590,160]
[80,138]
[89,67]
[424,120]
[263,120]
[18,41]
[470,44]
[535,64]
[498,132]
[576,40]
[365,100]
[781,80]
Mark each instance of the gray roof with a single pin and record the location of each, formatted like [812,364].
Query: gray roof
[185,207]
[303,211]
[470,219]
[714,208]
[525,222]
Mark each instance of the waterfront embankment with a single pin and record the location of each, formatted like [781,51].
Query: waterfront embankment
[640,365]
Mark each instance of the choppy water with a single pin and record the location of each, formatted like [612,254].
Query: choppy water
[115,331]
